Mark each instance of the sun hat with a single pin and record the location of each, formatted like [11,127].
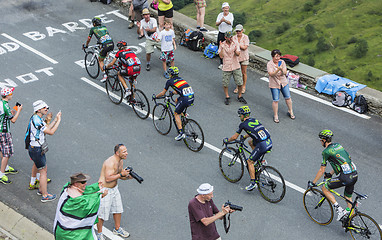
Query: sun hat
[145,11]
[6,91]
[239,27]
[225,4]
[79,177]
[228,34]
[205,188]
[39,104]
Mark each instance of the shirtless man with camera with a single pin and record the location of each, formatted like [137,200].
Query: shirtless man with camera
[112,170]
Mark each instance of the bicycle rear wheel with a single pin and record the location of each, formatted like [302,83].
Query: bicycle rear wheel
[318,207]
[363,226]
[114,89]
[141,105]
[162,119]
[271,184]
[194,139]
[231,165]
[91,64]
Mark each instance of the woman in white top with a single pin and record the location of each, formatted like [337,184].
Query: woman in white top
[224,21]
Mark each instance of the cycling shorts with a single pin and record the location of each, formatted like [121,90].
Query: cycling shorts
[260,148]
[183,102]
[107,47]
[347,180]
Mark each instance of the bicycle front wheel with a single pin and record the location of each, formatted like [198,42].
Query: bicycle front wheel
[91,64]
[231,165]
[271,184]
[141,105]
[318,207]
[194,139]
[363,226]
[114,89]
[162,119]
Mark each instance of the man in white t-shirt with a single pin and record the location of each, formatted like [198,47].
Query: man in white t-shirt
[224,21]
[147,27]
[167,39]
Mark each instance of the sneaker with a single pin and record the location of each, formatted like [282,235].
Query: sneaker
[220,66]
[226,101]
[5,180]
[340,214]
[100,236]
[180,136]
[104,78]
[198,27]
[48,198]
[121,232]
[131,25]
[127,93]
[39,193]
[148,67]
[203,29]
[47,181]
[11,170]
[242,100]
[34,186]
[251,186]
[166,75]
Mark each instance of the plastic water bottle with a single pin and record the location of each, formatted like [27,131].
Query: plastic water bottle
[299,85]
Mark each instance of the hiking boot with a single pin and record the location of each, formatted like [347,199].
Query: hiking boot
[148,67]
[131,25]
[121,232]
[242,100]
[48,198]
[5,180]
[180,136]
[11,170]
[103,79]
[251,186]
[100,236]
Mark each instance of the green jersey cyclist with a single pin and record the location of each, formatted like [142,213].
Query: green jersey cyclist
[186,98]
[260,141]
[103,38]
[342,166]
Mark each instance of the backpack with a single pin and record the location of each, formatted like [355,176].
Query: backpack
[211,50]
[290,60]
[27,138]
[185,37]
[195,41]
[341,99]
[360,104]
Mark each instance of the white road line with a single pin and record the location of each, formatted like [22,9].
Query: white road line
[304,94]
[30,48]
[210,146]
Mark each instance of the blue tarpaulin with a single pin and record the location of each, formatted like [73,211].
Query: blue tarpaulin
[330,84]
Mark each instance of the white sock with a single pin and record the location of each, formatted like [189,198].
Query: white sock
[38,176]
[2,174]
[33,180]
[7,168]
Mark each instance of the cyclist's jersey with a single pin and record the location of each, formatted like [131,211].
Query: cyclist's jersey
[101,33]
[255,130]
[129,62]
[5,117]
[180,86]
[338,158]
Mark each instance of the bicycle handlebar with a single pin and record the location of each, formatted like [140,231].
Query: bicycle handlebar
[240,141]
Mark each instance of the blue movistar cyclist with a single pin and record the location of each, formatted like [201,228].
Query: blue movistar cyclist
[260,141]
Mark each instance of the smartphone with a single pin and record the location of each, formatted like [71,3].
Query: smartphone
[18,104]
[280,63]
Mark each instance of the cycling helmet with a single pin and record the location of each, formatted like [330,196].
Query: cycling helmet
[244,110]
[121,44]
[173,71]
[97,21]
[6,91]
[325,134]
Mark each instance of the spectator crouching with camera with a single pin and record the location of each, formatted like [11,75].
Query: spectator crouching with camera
[203,213]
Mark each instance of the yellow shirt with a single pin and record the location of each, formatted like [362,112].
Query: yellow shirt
[163,6]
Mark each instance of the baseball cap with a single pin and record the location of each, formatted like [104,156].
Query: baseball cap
[225,4]
[79,177]
[228,34]
[239,27]
[205,188]
[39,104]
[6,91]
[145,11]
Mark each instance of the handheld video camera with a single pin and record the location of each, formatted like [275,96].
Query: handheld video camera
[233,206]
[134,175]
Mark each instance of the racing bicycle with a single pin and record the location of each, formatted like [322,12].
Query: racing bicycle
[164,112]
[320,210]
[91,59]
[115,92]
[232,160]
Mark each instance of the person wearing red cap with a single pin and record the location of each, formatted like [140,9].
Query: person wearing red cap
[6,146]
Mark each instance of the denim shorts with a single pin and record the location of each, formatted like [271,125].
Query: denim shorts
[38,159]
[276,93]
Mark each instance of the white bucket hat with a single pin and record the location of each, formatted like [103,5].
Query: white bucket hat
[225,4]
[205,188]
[39,104]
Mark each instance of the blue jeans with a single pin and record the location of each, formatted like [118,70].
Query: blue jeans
[276,93]
[38,159]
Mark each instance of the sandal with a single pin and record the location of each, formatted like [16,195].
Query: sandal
[293,117]
[235,91]
[276,120]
